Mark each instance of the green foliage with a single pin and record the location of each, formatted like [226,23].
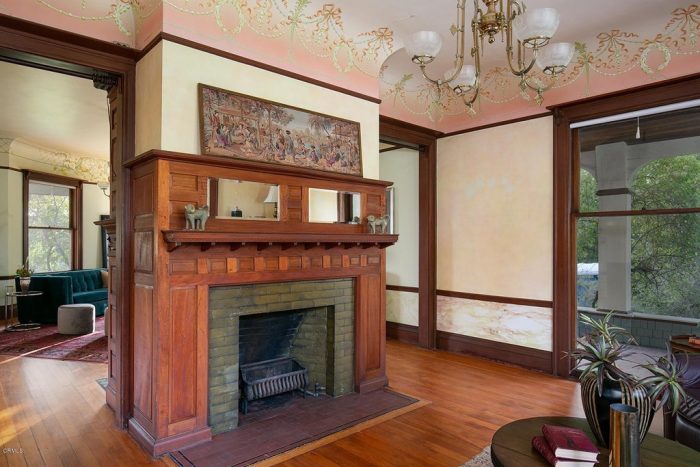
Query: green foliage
[49,233]
[665,383]
[24,270]
[665,248]
[598,352]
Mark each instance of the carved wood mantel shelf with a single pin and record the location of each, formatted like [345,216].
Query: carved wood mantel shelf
[207,239]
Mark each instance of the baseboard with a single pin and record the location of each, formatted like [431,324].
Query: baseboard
[402,332]
[526,357]
[372,384]
[162,446]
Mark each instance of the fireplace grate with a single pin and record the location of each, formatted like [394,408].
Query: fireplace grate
[271,377]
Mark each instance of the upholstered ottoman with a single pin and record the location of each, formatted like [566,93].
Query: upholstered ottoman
[78,318]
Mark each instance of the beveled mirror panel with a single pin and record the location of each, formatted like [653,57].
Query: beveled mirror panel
[241,199]
[331,206]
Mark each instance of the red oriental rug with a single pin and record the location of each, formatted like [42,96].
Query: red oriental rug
[46,342]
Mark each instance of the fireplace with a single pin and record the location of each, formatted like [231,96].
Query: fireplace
[309,321]
[189,288]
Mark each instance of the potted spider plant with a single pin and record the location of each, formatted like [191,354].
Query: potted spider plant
[25,275]
[597,356]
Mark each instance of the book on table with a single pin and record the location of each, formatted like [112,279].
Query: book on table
[570,443]
[542,446]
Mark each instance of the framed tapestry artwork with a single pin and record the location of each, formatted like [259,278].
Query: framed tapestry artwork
[245,127]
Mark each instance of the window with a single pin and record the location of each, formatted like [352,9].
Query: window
[638,219]
[52,222]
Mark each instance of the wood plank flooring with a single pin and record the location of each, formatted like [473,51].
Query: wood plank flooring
[53,413]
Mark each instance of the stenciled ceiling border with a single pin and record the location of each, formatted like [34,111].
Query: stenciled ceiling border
[324,41]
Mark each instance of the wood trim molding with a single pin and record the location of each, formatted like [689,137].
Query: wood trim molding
[76,212]
[6,278]
[4,167]
[402,288]
[54,35]
[407,129]
[402,332]
[526,357]
[426,139]
[253,166]
[565,178]
[164,36]
[497,299]
[495,124]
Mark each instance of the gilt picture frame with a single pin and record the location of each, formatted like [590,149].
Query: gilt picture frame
[245,127]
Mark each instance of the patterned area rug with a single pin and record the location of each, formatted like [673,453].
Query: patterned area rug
[483,459]
[46,342]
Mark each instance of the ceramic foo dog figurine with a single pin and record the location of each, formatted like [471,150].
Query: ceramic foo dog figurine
[378,222]
[196,218]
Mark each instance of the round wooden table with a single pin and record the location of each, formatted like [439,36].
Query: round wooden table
[511,445]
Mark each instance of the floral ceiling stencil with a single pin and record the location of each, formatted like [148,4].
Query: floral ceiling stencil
[346,44]
[29,155]
[298,35]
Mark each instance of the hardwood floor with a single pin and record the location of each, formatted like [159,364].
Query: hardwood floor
[53,413]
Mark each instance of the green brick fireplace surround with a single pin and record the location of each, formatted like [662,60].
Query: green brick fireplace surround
[324,342]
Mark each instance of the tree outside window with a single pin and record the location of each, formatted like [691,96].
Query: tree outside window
[51,232]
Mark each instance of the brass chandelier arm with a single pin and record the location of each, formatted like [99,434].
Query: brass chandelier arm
[475,53]
[458,31]
[514,9]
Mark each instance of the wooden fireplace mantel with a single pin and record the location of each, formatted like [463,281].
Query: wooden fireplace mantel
[263,240]
[174,269]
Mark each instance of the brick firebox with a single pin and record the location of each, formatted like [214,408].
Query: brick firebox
[324,342]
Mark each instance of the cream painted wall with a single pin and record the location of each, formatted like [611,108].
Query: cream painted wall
[401,167]
[10,222]
[183,68]
[323,205]
[94,204]
[149,99]
[494,233]
[494,200]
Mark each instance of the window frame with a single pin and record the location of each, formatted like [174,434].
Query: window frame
[76,209]
[566,192]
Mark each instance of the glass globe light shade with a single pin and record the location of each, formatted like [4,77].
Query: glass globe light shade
[535,27]
[464,81]
[555,57]
[423,46]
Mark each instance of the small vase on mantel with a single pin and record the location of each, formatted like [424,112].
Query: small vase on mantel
[24,283]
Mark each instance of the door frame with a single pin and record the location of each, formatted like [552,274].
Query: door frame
[426,142]
[66,52]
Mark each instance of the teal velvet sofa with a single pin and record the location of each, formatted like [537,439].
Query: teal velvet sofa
[61,288]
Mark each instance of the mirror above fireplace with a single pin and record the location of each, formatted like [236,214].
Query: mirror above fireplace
[331,206]
[241,199]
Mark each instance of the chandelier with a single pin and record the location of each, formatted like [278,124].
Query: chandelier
[532,29]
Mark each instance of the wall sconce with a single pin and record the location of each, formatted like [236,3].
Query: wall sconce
[104,186]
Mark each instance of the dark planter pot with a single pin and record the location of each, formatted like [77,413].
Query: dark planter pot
[597,407]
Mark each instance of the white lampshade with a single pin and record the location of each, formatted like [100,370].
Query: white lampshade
[272,194]
[464,80]
[423,46]
[555,57]
[536,26]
